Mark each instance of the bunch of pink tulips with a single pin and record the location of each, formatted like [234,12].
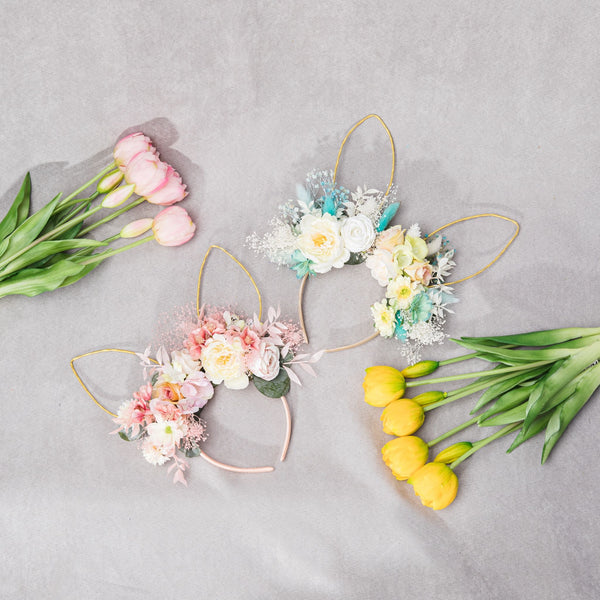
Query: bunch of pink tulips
[49,249]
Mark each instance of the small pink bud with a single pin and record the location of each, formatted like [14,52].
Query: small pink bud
[173,226]
[173,191]
[109,182]
[136,228]
[147,172]
[130,146]
[118,196]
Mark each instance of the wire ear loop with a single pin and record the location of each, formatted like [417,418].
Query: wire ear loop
[376,334]
[204,455]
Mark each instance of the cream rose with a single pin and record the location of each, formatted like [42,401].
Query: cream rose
[223,361]
[382,266]
[264,361]
[420,272]
[358,233]
[321,242]
[390,238]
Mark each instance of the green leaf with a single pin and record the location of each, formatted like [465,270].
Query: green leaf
[45,250]
[557,379]
[19,209]
[192,452]
[513,415]
[567,411]
[506,401]
[27,231]
[540,338]
[496,390]
[275,388]
[123,436]
[519,355]
[31,282]
[356,258]
[536,427]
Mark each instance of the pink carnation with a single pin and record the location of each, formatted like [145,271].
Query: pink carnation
[163,410]
[132,415]
[198,338]
[250,339]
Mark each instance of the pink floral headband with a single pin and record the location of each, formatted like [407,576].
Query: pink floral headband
[327,227]
[164,415]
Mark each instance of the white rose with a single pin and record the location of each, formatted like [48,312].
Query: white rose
[264,361]
[223,361]
[358,233]
[382,266]
[321,242]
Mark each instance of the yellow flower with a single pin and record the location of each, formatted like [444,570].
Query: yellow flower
[436,484]
[420,369]
[452,453]
[402,417]
[404,455]
[382,385]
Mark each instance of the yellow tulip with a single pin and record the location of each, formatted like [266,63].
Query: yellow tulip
[452,453]
[420,369]
[436,484]
[404,455]
[402,417]
[382,385]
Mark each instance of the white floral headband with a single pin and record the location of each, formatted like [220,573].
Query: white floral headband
[164,415]
[327,227]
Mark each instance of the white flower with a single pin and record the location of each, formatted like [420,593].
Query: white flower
[181,365]
[382,266]
[401,291]
[264,361]
[155,455]
[384,317]
[223,361]
[166,434]
[358,233]
[321,242]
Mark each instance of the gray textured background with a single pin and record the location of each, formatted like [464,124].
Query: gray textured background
[494,106]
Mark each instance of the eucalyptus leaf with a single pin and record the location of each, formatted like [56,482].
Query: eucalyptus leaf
[124,436]
[192,452]
[275,388]
[28,231]
[356,258]
[19,209]
[45,250]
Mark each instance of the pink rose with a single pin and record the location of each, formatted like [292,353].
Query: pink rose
[197,391]
[147,172]
[420,272]
[264,361]
[173,227]
[130,146]
[173,191]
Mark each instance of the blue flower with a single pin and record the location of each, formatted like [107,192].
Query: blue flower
[399,331]
[420,308]
[301,264]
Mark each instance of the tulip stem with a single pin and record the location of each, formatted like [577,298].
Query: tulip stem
[75,202]
[485,441]
[108,253]
[110,217]
[488,373]
[86,185]
[450,361]
[450,433]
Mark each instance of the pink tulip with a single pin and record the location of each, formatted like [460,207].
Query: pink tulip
[173,191]
[173,226]
[129,146]
[147,172]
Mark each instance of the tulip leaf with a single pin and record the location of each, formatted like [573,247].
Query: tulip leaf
[506,401]
[536,427]
[556,380]
[519,355]
[540,338]
[565,412]
[31,282]
[27,231]
[513,415]
[45,250]
[275,388]
[18,211]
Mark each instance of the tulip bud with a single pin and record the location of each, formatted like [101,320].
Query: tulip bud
[436,484]
[136,228]
[402,417]
[452,453]
[382,385]
[118,196]
[429,398]
[109,182]
[404,455]
[420,369]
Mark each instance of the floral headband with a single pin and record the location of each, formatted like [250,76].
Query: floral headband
[328,227]
[164,415]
